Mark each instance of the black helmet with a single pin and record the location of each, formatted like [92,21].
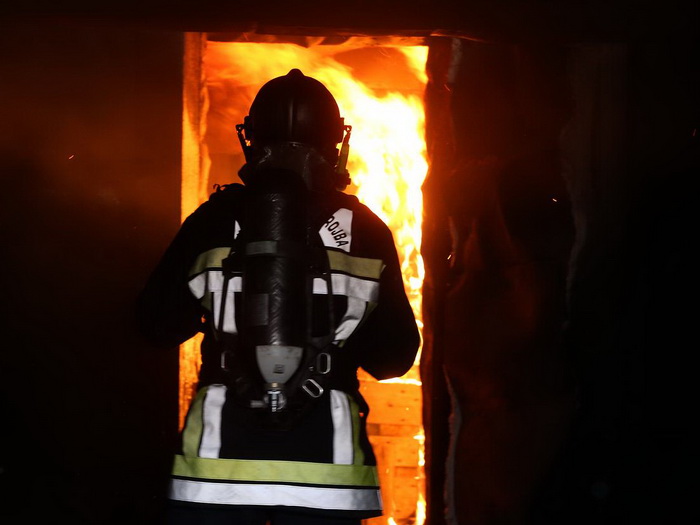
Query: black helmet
[294,108]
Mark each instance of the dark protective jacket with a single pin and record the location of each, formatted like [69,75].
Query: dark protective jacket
[324,463]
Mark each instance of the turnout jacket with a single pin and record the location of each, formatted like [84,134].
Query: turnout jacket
[324,463]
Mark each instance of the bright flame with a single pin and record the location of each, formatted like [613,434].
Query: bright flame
[388,169]
[387,162]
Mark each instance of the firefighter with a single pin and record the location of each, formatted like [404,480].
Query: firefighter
[295,285]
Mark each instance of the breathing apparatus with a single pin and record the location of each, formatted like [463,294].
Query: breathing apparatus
[289,140]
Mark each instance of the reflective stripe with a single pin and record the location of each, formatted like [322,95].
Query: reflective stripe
[358,266]
[342,429]
[210,259]
[193,424]
[350,286]
[198,285]
[275,471]
[208,286]
[212,281]
[211,419]
[230,326]
[351,318]
[329,498]
[354,277]
[353,315]
[346,423]
[202,432]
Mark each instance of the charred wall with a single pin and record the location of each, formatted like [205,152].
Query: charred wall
[500,239]
[557,383]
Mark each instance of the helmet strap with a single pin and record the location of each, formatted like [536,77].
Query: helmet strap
[341,171]
[245,144]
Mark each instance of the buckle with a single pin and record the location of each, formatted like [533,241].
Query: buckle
[315,390]
[323,363]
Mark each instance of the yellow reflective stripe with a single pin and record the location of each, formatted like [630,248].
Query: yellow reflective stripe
[192,433]
[209,259]
[358,266]
[275,471]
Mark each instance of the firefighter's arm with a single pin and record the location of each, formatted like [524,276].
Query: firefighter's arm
[388,340]
[167,314]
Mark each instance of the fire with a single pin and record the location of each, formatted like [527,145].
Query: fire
[387,165]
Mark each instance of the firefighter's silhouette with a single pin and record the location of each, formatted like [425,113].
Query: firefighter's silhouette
[295,285]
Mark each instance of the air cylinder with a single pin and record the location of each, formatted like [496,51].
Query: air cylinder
[274,300]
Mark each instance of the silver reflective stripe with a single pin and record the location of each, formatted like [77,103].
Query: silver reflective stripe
[235,286]
[355,287]
[209,281]
[272,494]
[208,288]
[343,445]
[210,444]
[348,285]
[363,292]
[198,285]
[351,318]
